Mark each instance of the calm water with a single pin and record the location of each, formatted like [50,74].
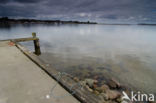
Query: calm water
[124,52]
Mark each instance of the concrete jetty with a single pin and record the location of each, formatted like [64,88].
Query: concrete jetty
[23,81]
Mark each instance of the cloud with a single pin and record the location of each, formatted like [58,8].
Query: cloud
[98,10]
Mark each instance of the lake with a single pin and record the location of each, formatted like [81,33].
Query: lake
[125,52]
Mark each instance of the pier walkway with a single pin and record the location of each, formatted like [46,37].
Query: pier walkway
[22,81]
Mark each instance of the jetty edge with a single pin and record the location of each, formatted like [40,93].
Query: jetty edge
[22,63]
[23,81]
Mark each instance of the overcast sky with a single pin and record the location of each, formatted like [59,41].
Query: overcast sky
[94,10]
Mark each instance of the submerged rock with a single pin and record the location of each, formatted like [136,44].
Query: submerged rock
[89,89]
[113,84]
[90,82]
[96,92]
[103,88]
[105,96]
[119,100]
[76,79]
[113,94]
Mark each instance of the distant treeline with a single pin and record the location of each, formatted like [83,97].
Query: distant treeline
[129,24]
[146,24]
[25,21]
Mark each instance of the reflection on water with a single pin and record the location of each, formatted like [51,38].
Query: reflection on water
[124,52]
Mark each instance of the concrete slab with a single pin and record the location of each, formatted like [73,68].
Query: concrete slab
[22,81]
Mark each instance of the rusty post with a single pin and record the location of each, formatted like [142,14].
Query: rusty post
[36,44]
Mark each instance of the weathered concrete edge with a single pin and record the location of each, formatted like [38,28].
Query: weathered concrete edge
[83,96]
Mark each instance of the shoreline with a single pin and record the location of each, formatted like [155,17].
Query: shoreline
[6,20]
[35,21]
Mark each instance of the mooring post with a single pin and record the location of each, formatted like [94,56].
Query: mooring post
[36,44]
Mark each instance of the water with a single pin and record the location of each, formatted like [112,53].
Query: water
[127,53]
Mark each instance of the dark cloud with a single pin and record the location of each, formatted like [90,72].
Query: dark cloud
[27,1]
[96,10]
[4,1]
[20,1]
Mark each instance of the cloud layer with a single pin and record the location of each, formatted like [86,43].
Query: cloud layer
[95,10]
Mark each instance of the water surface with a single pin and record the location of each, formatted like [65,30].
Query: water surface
[126,52]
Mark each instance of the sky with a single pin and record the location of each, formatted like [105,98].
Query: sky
[105,11]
